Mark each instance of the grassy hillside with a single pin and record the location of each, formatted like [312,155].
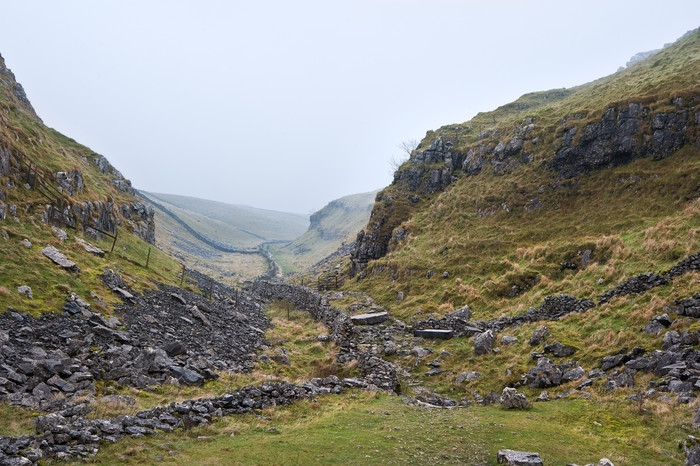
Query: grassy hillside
[501,237]
[239,226]
[226,267]
[331,227]
[43,172]
[208,235]
[493,230]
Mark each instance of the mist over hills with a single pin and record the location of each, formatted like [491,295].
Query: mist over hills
[552,245]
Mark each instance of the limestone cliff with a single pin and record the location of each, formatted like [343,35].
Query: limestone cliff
[645,111]
[57,179]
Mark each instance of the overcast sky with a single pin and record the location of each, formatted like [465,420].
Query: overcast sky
[287,105]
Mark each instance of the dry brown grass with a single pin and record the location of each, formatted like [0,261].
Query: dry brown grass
[612,246]
[534,254]
[660,238]
[446,307]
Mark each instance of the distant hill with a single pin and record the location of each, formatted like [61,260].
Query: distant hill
[223,240]
[334,225]
[237,225]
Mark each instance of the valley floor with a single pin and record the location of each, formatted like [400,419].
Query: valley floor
[362,427]
[305,388]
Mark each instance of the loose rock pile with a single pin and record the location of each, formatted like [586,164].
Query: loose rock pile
[165,336]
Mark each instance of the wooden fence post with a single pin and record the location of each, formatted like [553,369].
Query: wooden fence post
[182,277]
[148,258]
[116,235]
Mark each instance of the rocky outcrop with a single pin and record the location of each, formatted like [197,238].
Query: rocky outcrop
[4,161]
[140,216]
[7,79]
[689,306]
[118,179]
[547,374]
[89,215]
[483,343]
[518,458]
[60,259]
[622,135]
[422,176]
[70,182]
[675,367]
[511,399]
[428,171]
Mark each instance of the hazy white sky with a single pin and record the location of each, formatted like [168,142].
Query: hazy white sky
[287,105]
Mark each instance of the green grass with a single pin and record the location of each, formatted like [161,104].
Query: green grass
[52,285]
[368,428]
[295,334]
[16,420]
[631,229]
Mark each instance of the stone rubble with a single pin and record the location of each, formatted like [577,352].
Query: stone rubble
[66,432]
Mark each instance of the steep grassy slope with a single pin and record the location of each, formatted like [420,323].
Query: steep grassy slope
[503,200]
[561,192]
[46,177]
[331,227]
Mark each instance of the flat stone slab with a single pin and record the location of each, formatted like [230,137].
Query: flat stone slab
[434,333]
[519,458]
[370,319]
[58,258]
[90,248]
[123,293]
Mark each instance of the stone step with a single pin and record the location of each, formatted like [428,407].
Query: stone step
[370,319]
[433,333]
